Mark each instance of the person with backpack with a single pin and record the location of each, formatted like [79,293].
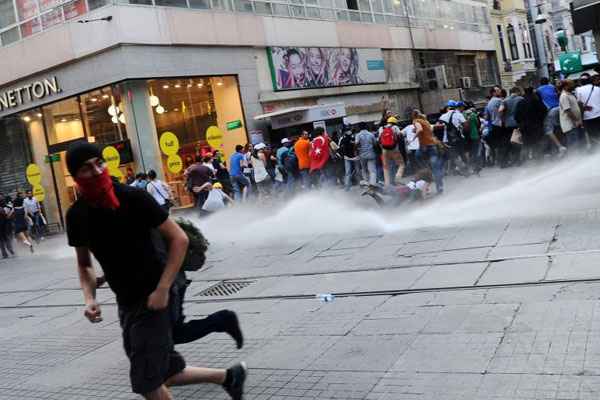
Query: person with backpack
[472,138]
[454,123]
[390,139]
[289,161]
[430,149]
[122,227]
[159,190]
[347,149]
[282,154]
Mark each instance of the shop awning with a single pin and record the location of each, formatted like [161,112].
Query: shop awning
[585,14]
[281,112]
[305,114]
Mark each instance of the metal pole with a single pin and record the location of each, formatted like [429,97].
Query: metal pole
[539,40]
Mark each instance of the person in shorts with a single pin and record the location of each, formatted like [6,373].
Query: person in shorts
[125,229]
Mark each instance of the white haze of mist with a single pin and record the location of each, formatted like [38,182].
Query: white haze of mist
[550,188]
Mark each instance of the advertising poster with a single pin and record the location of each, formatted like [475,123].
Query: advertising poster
[74,9]
[48,4]
[319,67]
[51,18]
[31,27]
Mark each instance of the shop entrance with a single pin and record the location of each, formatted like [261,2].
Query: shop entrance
[97,116]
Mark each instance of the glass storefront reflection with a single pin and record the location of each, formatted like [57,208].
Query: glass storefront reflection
[188,107]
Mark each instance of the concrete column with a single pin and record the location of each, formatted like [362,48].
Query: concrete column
[141,129]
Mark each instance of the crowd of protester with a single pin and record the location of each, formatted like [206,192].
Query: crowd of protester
[397,159]
[405,158]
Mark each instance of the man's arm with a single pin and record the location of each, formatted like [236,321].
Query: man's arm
[178,244]
[87,280]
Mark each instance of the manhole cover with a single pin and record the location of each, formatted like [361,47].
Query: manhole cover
[225,288]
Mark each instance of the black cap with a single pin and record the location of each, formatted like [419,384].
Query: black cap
[78,153]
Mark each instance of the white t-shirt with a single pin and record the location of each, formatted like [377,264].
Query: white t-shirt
[159,191]
[457,120]
[593,93]
[31,206]
[215,201]
[412,140]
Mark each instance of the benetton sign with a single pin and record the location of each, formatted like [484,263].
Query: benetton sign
[26,94]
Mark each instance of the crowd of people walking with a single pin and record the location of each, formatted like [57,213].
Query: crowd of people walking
[21,218]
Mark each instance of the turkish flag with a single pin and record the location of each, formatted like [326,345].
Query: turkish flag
[319,153]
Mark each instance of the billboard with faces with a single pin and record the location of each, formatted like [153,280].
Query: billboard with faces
[321,67]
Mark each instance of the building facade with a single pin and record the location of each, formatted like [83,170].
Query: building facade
[514,44]
[159,81]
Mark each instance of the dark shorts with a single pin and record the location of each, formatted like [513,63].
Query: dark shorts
[592,126]
[148,342]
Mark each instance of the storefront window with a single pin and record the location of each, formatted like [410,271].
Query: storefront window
[190,108]
[24,136]
[104,115]
[63,121]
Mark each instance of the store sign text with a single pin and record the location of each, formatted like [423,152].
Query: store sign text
[26,94]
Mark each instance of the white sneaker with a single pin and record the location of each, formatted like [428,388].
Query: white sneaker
[562,150]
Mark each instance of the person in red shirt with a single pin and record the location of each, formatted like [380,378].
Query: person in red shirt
[319,156]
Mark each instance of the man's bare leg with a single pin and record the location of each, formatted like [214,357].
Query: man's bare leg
[162,393]
[232,379]
[555,140]
[194,375]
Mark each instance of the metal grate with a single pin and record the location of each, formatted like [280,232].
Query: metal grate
[226,288]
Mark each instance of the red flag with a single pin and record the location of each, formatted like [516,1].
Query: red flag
[319,153]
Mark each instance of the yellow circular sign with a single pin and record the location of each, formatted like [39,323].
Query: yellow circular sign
[116,172]
[174,163]
[39,193]
[112,157]
[169,144]
[214,137]
[34,175]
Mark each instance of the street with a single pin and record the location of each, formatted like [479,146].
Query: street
[484,298]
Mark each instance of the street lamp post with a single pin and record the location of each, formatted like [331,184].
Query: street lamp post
[540,19]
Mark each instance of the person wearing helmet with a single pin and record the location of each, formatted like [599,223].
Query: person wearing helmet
[390,139]
[217,199]
[454,124]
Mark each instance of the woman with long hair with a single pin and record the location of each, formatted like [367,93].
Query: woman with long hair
[316,67]
[345,71]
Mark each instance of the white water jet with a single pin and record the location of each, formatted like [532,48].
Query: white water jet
[550,188]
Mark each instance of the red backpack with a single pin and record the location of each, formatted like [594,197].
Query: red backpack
[388,139]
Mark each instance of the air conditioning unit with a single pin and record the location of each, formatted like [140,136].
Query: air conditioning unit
[433,78]
[466,82]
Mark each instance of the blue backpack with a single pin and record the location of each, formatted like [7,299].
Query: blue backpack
[290,160]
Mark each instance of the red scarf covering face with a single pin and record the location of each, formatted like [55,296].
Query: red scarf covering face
[99,190]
